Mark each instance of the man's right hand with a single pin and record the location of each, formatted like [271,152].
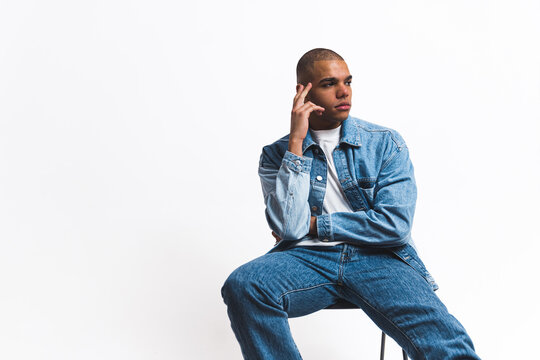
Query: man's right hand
[300,118]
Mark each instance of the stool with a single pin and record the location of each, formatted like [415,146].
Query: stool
[344,304]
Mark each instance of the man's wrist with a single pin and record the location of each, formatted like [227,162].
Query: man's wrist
[295,146]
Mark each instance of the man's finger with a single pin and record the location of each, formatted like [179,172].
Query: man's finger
[304,93]
[301,95]
[309,106]
[299,89]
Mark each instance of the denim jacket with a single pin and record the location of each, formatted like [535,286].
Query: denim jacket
[377,177]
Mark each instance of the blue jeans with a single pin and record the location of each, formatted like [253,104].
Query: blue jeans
[262,294]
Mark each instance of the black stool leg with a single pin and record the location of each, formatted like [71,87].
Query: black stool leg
[383,340]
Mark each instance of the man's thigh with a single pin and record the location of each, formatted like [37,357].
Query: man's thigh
[401,301]
[300,280]
[386,282]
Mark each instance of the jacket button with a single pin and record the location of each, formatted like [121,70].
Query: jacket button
[319,177]
[316,151]
[314,208]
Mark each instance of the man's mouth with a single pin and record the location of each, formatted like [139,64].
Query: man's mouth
[343,106]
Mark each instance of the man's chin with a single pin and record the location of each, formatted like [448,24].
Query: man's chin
[328,122]
[340,117]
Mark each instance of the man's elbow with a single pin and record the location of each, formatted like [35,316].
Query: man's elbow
[402,229]
[295,233]
[286,230]
[398,226]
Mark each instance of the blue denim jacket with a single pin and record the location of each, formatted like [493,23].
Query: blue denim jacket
[377,177]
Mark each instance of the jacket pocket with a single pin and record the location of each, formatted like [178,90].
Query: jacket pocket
[407,254]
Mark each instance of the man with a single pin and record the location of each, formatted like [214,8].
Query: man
[340,196]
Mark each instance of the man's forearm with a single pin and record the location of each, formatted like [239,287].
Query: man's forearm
[286,188]
[286,192]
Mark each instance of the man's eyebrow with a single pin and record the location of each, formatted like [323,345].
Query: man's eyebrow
[330,79]
[333,79]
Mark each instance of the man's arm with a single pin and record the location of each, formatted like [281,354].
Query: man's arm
[286,191]
[388,223]
[286,186]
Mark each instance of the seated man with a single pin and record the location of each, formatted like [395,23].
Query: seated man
[340,197]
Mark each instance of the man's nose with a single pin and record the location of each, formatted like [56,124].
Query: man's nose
[343,91]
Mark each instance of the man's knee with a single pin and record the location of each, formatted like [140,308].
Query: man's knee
[237,286]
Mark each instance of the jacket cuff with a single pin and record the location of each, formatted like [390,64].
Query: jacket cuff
[324,228]
[299,164]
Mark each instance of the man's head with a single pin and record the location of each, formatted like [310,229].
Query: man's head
[331,86]
[305,66]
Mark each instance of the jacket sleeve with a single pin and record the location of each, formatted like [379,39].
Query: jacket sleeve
[389,220]
[285,188]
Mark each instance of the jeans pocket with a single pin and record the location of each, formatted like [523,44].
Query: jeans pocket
[407,254]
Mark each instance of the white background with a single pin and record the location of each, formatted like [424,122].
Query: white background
[130,133]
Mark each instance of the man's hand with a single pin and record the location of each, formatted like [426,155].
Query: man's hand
[313,226]
[300,118]
[278,239]
[312,230]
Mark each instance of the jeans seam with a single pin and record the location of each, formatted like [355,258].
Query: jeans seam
[428,278]
[387,319]
[302,289]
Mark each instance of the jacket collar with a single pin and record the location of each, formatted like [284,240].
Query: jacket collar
[349,134]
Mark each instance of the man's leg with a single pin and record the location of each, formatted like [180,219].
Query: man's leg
[402,303]
[262,294]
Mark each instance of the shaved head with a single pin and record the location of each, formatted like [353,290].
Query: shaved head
[304,68]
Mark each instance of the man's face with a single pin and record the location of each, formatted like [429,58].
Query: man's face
[332,90]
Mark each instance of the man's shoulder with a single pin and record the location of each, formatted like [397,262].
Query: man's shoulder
[374,135]
[360,124]
[374,132]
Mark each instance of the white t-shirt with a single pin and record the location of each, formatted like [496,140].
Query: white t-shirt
[334,197]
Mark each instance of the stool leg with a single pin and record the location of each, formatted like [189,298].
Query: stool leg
[383,340]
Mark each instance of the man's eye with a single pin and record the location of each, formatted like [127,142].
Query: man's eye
[327,84]
[348,82]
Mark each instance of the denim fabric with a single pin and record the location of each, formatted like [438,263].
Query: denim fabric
[377,177]
[375,173]
[376,268]
[262,294]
